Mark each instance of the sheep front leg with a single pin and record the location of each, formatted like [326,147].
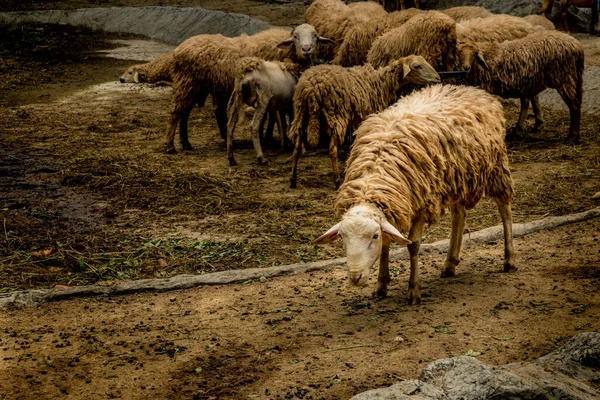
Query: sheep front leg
[231,123]
[295,158]
[458,225]
[509,253]
[417,5]
[520,127]
[170,133]
[259,114]
[383,279]
[537,112]
[414,281]
[402,5]
[333,154]
[183,130]
[221,116]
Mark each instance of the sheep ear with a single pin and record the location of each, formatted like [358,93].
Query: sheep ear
[329,236]
[393,234]
[481,61]
[325,41]
[286,44]
[136,77]
[405,71]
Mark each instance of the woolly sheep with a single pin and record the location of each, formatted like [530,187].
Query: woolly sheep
[496,28]
[430,34]
[359,38]
[268,86]
[441,147]
[156,71]
[540,22]
[332,18]
[522,68]
[207,64]
[330,98]
[461,13]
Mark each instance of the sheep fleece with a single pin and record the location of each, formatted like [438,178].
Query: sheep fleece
[437,146]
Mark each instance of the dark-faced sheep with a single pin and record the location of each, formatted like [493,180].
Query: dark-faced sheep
[207,65]
[522,68]
[330,98]
[430,34]
[441,147]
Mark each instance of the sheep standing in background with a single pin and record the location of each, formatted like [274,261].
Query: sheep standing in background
[330,98]
[540,22]
[496,28]
[359,38]
[207,65]
[441,147]
[400,4]
[268,86]
[462,13]
[522,68]
[429,34]
[156,71]
[332,18]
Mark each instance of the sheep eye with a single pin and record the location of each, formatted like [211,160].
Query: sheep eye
[417,66]
[376,236]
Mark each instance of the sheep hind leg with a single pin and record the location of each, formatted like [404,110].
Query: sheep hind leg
[333,155]
[537,112]
[179,116]
[414,281]
[183,130]
[259,114]
[574,104]
[509,253]
[520,126]
[295,159]
[383,279]
[458,225]
[221,116]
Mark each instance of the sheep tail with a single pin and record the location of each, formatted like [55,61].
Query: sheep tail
[314,124]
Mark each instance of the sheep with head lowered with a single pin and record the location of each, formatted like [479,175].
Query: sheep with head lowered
[156,71]
[429,34]
[522,68]
[269,87]
[330,98]
[207,65]
[441,147]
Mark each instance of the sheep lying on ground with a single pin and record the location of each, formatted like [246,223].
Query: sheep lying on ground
[524,67]
[359,38]
[207,65]
[156,71]
[540,22]
[268,86]
[330,98]
[441,147]
[430,34]
[332,18]
[461,13]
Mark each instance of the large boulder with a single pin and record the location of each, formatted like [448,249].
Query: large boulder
[572,372]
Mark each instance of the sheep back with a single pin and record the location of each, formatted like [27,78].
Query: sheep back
[461,13]
[496,28]
[435,147]
[429,34]
[540,22]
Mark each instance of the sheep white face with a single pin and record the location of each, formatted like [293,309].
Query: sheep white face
[418,71]
[363,238]
[130,76]
[305,40]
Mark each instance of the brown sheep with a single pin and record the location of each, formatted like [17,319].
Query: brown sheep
[156,71]
[441,147]
[330,98]
[462,13]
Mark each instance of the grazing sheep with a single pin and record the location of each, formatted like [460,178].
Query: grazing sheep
[268,86]
[359,38]
[441,147]
[330,98]
[540,22]
[430,34]
[332,18]
[207,64]
[156,71]
[522,68]
[462,13]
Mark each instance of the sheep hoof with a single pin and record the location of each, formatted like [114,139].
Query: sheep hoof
[513,134]
[170,149]
[448,272]
[414,297]
[380,293]
[232,162]
[510,267]
[292,184]
[186,146]
[262,161]
[572,139]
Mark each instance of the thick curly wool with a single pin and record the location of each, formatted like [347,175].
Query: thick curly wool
[461,13]
[433,148]
[496,28]
[429,34]
[540,22]
[155,71]
[359,38]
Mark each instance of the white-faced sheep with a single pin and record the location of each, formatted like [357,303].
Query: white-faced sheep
[461,13]
[156,71]
[330,98]
[332,18]
[429,34]
[359,38]
[268,86]
[522,68]
[207,64]
[441,147]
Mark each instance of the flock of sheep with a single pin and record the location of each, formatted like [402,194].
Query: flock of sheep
[439,147]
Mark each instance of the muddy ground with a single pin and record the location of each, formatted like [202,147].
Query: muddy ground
[83,176]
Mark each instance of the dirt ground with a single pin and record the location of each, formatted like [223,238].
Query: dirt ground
[84,177]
